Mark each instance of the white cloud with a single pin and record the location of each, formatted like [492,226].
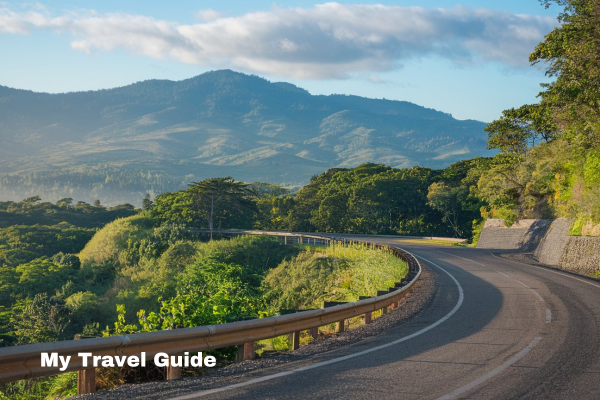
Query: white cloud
[376,79]
[330,40]
[207,15]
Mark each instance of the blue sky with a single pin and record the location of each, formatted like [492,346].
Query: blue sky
[467,58]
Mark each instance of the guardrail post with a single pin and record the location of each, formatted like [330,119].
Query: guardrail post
[368,318]
[173,373]
[340,326]
[239,357]
[86,381]
[285,240]
[296,340]
[86,378]
[249,351]
[314,332]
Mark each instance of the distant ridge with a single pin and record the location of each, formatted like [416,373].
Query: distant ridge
[216,124]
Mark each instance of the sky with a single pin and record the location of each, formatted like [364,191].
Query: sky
[468,58]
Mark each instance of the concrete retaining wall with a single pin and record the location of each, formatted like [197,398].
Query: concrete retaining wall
[548,240]
[552,246]
[524,235]
[582,255]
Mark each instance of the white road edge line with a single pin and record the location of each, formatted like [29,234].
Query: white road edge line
[548,270]
[513,359]
[535,293]
[461,297]
[493,372]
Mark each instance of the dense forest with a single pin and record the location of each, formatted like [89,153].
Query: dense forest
[53,257]
[549,160]
[107,271]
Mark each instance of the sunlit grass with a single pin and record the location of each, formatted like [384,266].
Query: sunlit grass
[431,242]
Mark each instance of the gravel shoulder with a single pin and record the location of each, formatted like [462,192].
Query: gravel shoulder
[416,301]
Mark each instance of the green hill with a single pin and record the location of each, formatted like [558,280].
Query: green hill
[158,135]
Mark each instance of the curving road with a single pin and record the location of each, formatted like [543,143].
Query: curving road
[495,329]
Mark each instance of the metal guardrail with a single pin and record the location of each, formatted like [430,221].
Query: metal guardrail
[23,362]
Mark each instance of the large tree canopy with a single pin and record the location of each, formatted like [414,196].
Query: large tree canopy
[548,151]
[569,107]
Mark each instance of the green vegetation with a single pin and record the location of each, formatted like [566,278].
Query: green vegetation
[41,279]
[334,273]
[220,123]
[376,199]
[549,160]
[147,272]
[34,211]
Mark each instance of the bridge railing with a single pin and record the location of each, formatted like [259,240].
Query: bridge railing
[23,362]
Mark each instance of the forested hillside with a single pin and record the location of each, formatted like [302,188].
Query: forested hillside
[149,272]
[549,160]
[156,136]
[52,260]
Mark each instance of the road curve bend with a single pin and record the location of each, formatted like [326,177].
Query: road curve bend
[495,329]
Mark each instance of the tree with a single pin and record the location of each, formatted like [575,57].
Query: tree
[38,320]
[146,202]
[223,200]
[32,200]
[520,128]
[64,203]
[571,53]
[448,200]
[265,190]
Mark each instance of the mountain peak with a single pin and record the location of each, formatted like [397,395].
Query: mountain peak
[220,123]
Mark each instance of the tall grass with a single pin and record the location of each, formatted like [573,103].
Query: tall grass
[334,273]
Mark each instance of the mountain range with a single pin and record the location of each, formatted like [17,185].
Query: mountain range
[158,135]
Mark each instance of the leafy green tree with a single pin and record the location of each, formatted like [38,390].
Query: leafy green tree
[274,213]
[546,149]
[519,129]
[43,275]
[174,207]
[570,52]
[147,202]
[8,285]
[38,320]
[222,200]
[64,203]
[448,200]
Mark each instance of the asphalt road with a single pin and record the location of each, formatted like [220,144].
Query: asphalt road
[496,329]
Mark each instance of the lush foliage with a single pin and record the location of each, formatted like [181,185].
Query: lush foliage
[378,199]
[334,273]
[42,285]
[548,163]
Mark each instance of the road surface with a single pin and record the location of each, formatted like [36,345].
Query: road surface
[495,329]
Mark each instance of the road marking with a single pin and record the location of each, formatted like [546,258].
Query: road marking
[535,293]
[492,373]
[467,259]
[548,270]
[461,297]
